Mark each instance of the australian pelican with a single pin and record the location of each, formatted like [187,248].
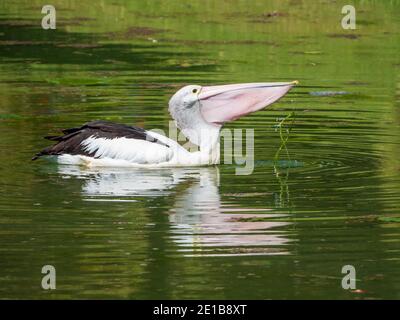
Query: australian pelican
[199,112]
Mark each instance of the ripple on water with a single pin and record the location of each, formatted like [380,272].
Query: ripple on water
[200,222]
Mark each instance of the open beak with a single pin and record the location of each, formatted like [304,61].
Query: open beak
[225,103]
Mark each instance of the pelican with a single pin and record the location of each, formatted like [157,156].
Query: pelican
[199,112]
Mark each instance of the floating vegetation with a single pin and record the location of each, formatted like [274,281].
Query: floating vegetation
[10,116]
[389,219]
[328,93]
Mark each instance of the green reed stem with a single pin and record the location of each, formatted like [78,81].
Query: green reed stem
[285,139]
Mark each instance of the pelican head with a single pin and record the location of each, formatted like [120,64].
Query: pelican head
[195,108]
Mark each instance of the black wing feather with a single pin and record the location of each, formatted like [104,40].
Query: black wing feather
[70,142]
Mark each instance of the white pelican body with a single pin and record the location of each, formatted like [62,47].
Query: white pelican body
[198,111]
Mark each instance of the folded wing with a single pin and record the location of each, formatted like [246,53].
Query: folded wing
[103,139]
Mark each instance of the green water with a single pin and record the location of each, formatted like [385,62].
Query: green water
[283,232]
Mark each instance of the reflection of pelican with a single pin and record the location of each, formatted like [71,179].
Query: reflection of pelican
[120,184]
[201,223]
[198,111]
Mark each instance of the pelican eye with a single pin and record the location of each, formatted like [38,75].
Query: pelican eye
[194,90]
